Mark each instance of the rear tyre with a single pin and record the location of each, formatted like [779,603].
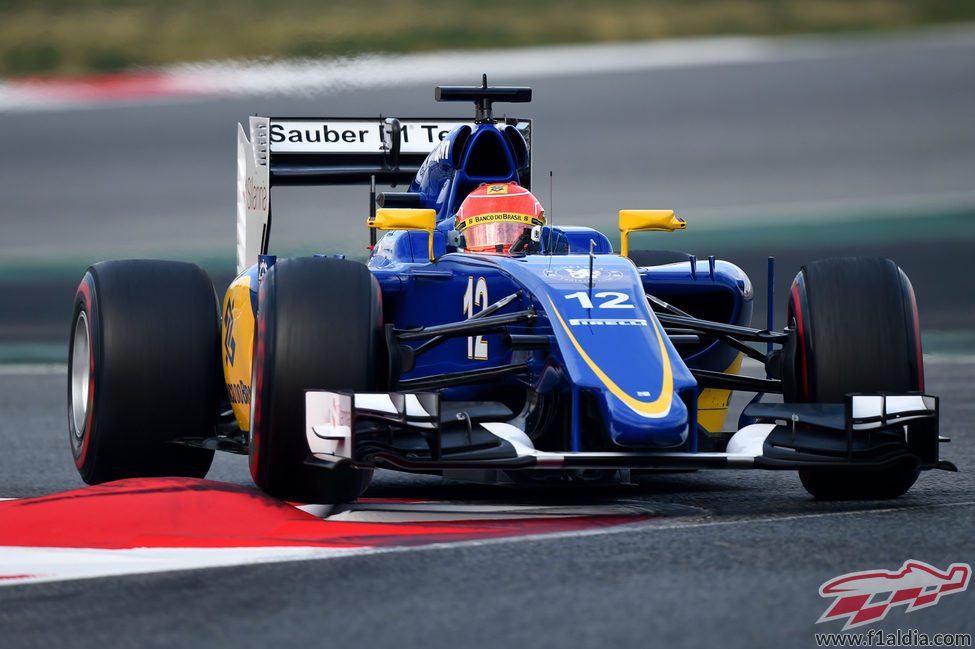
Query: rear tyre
[857,330]
[143,369]
[319,326]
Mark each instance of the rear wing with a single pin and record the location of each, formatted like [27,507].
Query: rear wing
[328,151]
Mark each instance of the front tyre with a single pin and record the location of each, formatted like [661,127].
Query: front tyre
[143,370]
[319,326]
[857,330]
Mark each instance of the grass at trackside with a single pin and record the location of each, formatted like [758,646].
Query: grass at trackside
[70,37]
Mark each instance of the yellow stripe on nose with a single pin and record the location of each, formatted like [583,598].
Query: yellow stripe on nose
[656,408]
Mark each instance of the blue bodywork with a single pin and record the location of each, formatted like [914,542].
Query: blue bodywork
[608,360]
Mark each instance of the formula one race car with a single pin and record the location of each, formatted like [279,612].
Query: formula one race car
[480,342]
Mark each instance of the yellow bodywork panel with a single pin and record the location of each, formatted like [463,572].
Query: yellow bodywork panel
[238,346]
[712,404]
[406,219]
[644,221]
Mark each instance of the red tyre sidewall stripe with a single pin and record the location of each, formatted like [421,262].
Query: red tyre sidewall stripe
[800,326]
[85,291]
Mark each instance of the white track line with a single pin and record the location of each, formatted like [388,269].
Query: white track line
[28,565]
[309,77]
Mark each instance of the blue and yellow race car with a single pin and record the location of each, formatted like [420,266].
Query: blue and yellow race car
[481,342]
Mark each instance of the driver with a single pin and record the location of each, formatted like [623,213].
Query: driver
[498,218]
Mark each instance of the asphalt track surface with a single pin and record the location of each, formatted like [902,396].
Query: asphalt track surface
[739,559]
[736,560]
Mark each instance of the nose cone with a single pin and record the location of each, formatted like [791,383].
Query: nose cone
[612,347]
[629,428]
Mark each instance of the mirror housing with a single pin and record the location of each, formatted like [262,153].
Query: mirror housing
[644,221]
[390,218]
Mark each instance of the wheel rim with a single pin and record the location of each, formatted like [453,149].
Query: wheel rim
[80,374]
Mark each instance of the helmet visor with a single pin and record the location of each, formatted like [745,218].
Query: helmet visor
[487,237]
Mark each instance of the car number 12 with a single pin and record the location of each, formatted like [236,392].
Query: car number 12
[612,300]
[476,295]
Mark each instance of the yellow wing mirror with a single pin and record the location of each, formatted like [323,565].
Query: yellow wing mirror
[646,220]
[390,218]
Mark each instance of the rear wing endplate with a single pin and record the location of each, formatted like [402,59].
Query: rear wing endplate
[328,151]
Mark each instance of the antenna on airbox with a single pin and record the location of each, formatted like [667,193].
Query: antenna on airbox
[551,215]
[483,97]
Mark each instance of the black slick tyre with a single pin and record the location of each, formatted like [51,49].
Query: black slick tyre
[143,370]
[319,326]
[856,327]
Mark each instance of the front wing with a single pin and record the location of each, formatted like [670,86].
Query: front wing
[417,432]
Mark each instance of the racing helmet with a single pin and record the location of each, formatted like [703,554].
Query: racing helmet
[495,216]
